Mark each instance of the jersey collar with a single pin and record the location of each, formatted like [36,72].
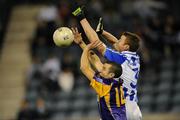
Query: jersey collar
[129,52]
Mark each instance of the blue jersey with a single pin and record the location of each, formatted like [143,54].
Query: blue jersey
[130,70]
[111,101]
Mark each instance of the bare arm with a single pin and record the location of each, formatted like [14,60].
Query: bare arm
[92,35]
[94,59]
[85,64]
[112,39]
[100,89]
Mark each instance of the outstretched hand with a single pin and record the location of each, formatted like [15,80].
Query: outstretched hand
[77,35]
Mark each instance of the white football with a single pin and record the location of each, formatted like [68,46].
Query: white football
[63,36]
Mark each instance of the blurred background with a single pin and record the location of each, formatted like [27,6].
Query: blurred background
[39,81]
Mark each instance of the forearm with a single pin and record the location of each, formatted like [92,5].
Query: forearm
[92,35]
[95,61]
[82,45]
[89,31]
[93,58]
[112,39]
[85,63]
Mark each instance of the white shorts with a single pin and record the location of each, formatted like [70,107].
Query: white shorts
[132,111]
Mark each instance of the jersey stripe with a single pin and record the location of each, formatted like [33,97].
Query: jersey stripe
[117,97]
[107,100]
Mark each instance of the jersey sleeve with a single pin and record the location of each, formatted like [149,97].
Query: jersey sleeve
[114,56]
[101,88]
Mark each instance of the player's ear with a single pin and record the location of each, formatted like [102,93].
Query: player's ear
[126,47]
[112,75]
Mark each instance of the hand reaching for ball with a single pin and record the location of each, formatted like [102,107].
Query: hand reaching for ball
[77,35]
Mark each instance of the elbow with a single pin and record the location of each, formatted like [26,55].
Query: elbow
[82,68]
[102,49]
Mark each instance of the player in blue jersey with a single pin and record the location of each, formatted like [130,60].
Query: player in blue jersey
[125,55]
[131,65]
[111,101]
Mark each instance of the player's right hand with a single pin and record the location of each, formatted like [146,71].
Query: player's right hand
[99,28]
[77,35]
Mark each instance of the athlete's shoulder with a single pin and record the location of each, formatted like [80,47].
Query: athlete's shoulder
[130,55]
[101,80]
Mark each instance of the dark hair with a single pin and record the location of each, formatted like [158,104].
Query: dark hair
[116,69]
[133,41]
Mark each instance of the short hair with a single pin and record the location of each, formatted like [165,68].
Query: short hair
[115,68]
[133,40]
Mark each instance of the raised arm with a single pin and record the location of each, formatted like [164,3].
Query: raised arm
[110,38]
[98,86]
[85,63]
[95,61]
[90,33]
[93,58]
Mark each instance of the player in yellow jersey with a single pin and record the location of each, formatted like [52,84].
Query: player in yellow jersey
[111,101]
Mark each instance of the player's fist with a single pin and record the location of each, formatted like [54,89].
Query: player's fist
[99,28]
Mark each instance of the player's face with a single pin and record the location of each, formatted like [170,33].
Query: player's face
[121,45]
[105,72]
